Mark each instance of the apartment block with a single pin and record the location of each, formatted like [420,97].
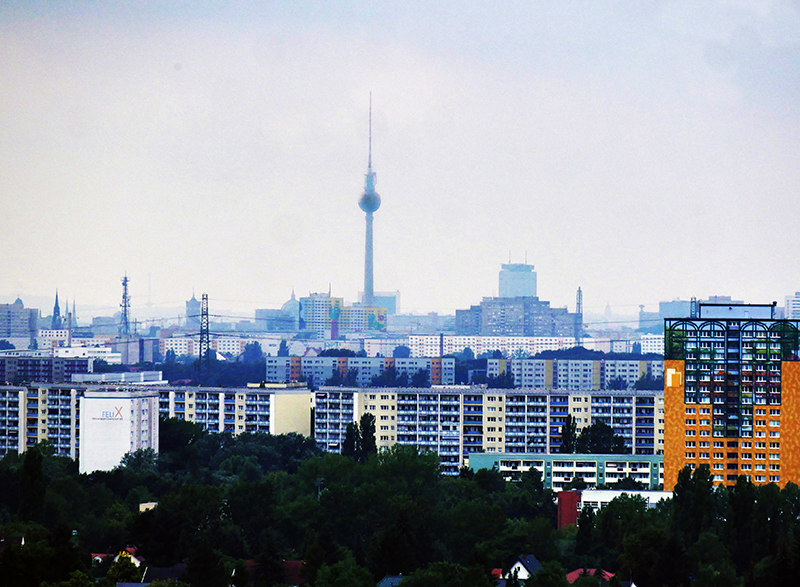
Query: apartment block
[558,470]
[115,422]
[732,394]
[459,421]
[316,371]
[40,369]
[273,409]
[575,374]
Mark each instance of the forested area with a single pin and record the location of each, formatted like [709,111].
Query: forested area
[224,500]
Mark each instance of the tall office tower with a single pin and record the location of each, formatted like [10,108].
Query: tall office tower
[732,394]
[370,201]
[517,280]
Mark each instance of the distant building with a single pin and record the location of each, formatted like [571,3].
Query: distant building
[40,368]
[791,310]
[318,370]
[517,280]
[384,299]
[18,324]
[517,316]
[193,311]
[652,343]
[558,470]
[327,316]
[574,374]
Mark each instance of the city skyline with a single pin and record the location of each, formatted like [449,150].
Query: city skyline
[630,150]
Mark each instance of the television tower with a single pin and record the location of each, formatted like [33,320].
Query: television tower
[125,306]
[369,202]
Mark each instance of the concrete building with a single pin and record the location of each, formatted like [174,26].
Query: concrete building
[574,374]
[437,345]
[40,369]
[652,343]
[193,310]
[459,421]
[517,316]
[98,422]
[517,280]
[558,470]
[127,378]
[316,371]
[115,422]
[732,394]
[273,409]
[18,324]
[791,310]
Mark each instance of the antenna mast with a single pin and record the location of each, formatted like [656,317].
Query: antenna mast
[125,306]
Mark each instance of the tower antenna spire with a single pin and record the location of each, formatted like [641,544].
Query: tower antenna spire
[369,202]
[369,159]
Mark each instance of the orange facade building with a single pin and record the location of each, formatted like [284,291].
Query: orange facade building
[732,395]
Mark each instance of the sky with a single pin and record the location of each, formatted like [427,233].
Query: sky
[641,150]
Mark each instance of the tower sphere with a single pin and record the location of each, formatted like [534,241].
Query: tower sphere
[369,201]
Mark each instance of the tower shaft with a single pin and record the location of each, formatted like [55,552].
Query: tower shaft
[369,291]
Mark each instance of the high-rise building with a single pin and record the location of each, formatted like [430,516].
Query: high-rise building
[458,421]
[369,202]
[18,324]
[732,394]
[792,309]
[115,422]
[517,280]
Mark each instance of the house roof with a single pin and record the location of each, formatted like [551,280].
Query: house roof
[176,571]
[390,581]
[293,572]
[573,576]
[530,563]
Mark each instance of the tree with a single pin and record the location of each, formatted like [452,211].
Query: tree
[283,349]
[617,383]
[421,378]
[337,353]
[646,381]
[568,436]
[367,434]
[401,352]
[32,485]
[5,345]
[599,438]
[122,571]
[345,573]
[352,440]
[252,353]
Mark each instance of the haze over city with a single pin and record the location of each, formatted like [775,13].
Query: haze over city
[642,151]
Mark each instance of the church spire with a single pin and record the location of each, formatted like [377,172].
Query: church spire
[56,322]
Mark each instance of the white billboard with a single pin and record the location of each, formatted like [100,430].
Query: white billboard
[105,432]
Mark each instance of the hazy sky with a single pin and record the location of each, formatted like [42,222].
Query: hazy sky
[644,151]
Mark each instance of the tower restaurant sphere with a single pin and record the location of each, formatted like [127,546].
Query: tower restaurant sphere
[369,201]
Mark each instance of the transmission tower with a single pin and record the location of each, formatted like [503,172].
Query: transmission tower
[125,306]
[205,355]
[578,317]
